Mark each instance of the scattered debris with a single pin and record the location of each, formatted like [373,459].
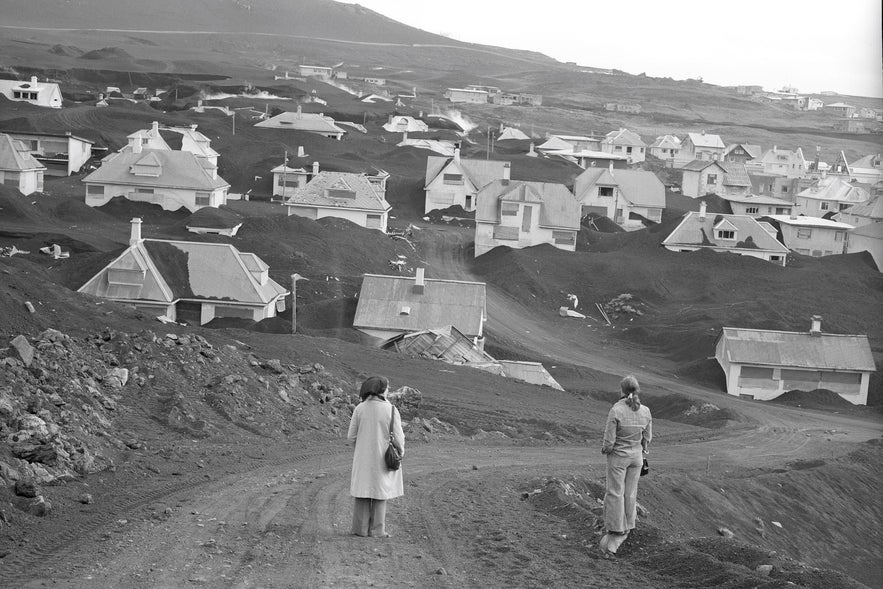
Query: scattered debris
[10,250]
[54,250]
[565,312]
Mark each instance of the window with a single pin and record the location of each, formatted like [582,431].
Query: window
[775,258]
[11,178]
[290,183]
[340,193]
[503,232]
[144,191]
[372,221]
[203,199]
[824,205]
[752,210]
[628,150]
[784,190]
[711,179]
[783,211]
[94,189]
[726,234]
[839,235]
[453,179]
[564,237]
[804,233]
[605,191]
[844,205]
[509,209]
[617,148]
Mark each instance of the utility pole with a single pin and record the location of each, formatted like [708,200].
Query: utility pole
[285,179]
[234,122]
[294,278]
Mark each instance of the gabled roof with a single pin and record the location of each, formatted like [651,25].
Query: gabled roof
[67,135]
[302,121]
[479,172]
[736,174]
[405,123]
[195,142]
[750,199]
[639,187]
[772,155]
[873,209]
[695,231]
[869,161]
[172,270]
[754,151]
[804,221]
[624,137]
[699,165]
[512,133]
[555,143]
[666,141]
[178,169]
[836,189]
[317,192]
[706,140]
[16,157]
[558,207]
[33,86]
[382,299]
[794,349]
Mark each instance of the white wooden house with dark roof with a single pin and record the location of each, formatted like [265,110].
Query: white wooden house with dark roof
[456,181]
[624,196]
[737,234]
[18,168]
[393,305]
[343,195]
[702,177]
[188,280]
[522,214]
[762,364]
[783,162]
[742,152]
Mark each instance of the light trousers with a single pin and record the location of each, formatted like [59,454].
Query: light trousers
[369,517]
[621,498]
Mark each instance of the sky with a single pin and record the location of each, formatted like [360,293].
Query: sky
[808,44]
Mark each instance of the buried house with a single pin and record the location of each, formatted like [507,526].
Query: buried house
[189,280]
[18,167]
[762,364]
[455,181]
[390,306]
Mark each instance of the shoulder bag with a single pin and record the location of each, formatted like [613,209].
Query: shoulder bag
[393,454]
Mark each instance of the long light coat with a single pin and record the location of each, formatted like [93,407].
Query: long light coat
[369,427]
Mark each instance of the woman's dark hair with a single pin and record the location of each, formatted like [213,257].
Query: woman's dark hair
[630,389]
[373,385]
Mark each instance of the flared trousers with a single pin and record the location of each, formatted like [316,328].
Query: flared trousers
[621,498]
[369,517]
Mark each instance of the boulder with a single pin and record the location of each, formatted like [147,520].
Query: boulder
[22,349]
[85,499]
[764,569]
[39,506]
[116,378]
[26,488]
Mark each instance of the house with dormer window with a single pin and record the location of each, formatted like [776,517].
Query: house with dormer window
[737,234]
[344,195]
[666,147]
[830,195]
[456,181]
[626,143]
[46,94]
[627,197]
[783,162]
[522,214]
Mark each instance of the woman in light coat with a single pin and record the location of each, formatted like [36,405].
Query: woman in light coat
[371,482]
[626,440]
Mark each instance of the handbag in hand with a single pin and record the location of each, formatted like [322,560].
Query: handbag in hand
[645,468]
[393,454]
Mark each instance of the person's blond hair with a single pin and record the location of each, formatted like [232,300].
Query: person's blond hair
[630,388]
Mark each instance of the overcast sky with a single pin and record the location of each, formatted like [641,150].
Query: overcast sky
[810,44]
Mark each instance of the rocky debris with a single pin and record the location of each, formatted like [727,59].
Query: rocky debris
[85,499]
[622,306]
[764,569]
[725,532]
[405,398]
[26,488]
[23,349]
[38,506]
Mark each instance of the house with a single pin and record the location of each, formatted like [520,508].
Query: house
[840,109]
[570,143]
[666,147]
[828,195]
[318,124]
[742,152]
[141,94]
[507,133]
[315,71]
[627,143]
[466,95]
[521,214]
[46,94]
[442,343]
[392,305]
[171,179]
[811,236]
[625,196]
[287,179]
[216,221]
[343,195]
[699,178]
[405,124]
[774,185]
[867,238]
[864,213]
[702,146]
[868,169]
[196,143]
[454,181]
[18,167]
[737,234]
[592,159]
[491,90]
[814,104]
[144,139]
[783,162]
[62,154]
[188,280]
[758,206]
[762,364]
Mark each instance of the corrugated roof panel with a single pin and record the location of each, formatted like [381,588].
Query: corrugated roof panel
[799,349]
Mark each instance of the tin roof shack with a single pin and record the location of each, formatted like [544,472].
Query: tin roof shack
[762,364]
[63,154]
[189,280]
[392,305]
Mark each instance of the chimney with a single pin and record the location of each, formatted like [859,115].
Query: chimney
[611,166]
[389,120]
[34,80]
[299,113]
[136,144]
[405,135]
[816,326]
[419,282]
[135,235]
[457,155]
[154,128]
[507,170]
[193,127]
[315,169]
[702,210]
[300,151]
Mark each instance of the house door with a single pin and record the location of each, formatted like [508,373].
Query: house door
[189,312]
[526,219]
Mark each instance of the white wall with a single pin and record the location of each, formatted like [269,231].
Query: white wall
[821,241]
[169,199]
[358,217]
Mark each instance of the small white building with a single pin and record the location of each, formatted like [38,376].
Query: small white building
[812,236]
[318,124]
[46,94]
[466,95]
[18,168]
[624,196]
[62,154]
[762,364]
[454,181]
[342,195]
[627,143]
[829,195]
[666,147]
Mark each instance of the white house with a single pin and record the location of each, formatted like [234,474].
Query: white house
[829,195]
[521,214]
[315,71]
[145,139]
[557,143]
[702,146]
[46,94]
[390,306]
[196,143]
[318,124]
[666,147]
[343,195]
[627,143]
[171,179]
[762,364]
[742,152]
[812,236]
[758,206]
[455,181]
[625,196]
[467,95]
[18,168]
[737,234]
[701,177]
[62,154]
[405,124]
[783,162]
[867,238]
[188,280]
